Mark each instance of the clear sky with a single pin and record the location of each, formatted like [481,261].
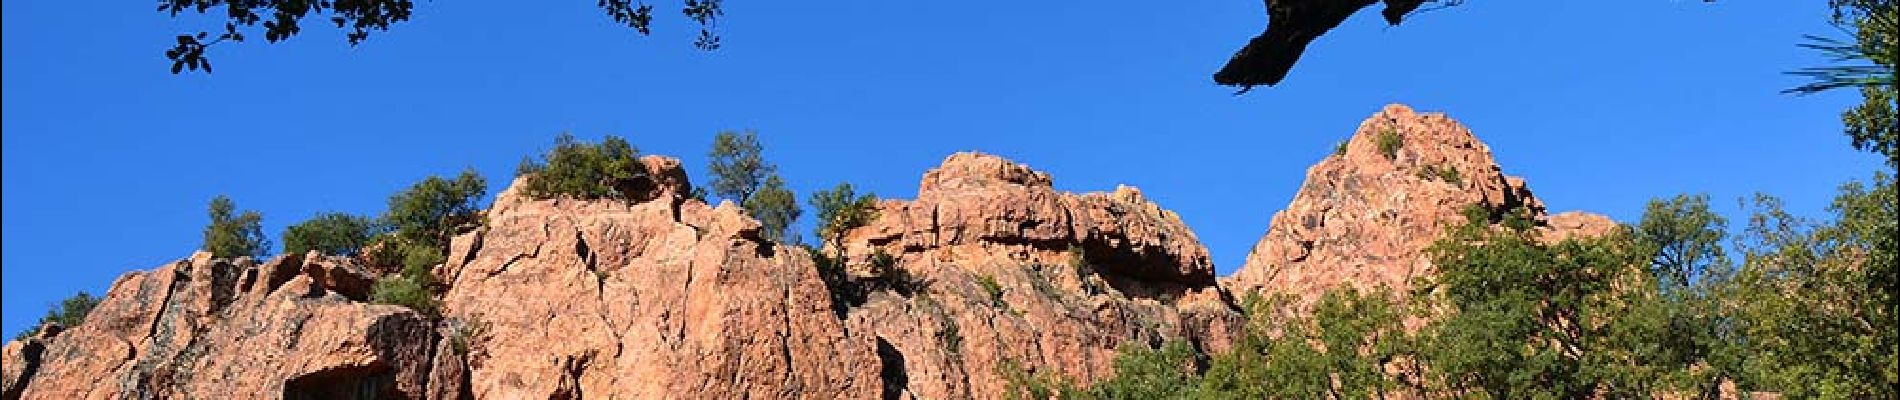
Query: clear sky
[109,159]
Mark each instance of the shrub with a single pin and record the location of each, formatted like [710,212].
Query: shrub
[1390,142]
[582,170]
[233,234]
[776,207]
[990,287]
[68,313]
[465,333]
[404,290]
[841,209]
[432,210]
[1447,175]
[1339,149]
[332,233]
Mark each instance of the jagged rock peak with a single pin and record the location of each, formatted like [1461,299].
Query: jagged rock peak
[1366,214]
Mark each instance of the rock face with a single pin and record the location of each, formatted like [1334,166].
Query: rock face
[1364,218]
[201,328]
[989,271]
[1014,272]
[666,298]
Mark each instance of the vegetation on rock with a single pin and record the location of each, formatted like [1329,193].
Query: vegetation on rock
[233,234]
[333,233]
[574,169]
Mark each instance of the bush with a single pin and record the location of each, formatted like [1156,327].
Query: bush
[415,292]
[1339,149]
[68,313]
[1390,142]
[581,170]
[990,287]
[232,234]
[432,210]
[776,207]
[332,233]
[1448,175]
[464,334]
[841,209]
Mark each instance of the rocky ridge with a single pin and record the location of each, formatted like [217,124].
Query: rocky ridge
[1365,219]
[667,297]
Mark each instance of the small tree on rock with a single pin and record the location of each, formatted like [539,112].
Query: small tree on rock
[234,234]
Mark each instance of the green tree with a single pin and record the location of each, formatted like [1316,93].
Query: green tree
[1684,238]
[68,313]
[738,166]
[841,209]
[233,234]
[283,19]
[1525,319]
[1815,302]
[1866,62]
[776,207]
[423,217]
[332,233]
[580,170]
[431,211]
[1142,372]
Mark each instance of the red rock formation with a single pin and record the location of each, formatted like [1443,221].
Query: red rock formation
[231,328]
[665,298]
[660,296]
[979,220]
[1365,219]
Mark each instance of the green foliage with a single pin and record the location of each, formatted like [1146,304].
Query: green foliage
[465,334]
[414,286]
[231,234]
[414,292]
[68,313]
[332,233]
[1149,373]
[432,210]
[1447,174]
[776,207]
[1815,303]
[1339,149]
[737,165]
[574,169]
[283,19]
[1390,142]
[1020,384]
[841,209]
[1684,238]
[1867,63]
[1524,315]
[991,288]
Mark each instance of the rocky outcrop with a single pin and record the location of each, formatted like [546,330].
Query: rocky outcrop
[1365,217]
[237,329]
[1014,272]
[656,295]
[665,298]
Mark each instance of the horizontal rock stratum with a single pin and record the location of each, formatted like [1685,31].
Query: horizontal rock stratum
[669,297]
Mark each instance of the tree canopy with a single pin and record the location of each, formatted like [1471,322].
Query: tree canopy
[233,234]
[283,19]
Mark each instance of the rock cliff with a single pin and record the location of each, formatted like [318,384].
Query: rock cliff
[988,269]
[1366,214]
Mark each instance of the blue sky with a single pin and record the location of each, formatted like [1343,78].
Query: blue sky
[109,159]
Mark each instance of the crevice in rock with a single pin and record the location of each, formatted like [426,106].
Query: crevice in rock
[30,354]
[569,388]
[891,369]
